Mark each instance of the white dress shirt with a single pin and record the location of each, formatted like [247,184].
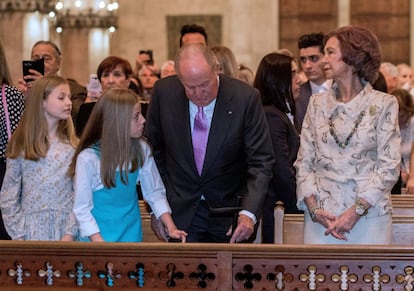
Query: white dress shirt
[324,87]
[88,179]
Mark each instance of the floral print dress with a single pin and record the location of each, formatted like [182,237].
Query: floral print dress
[37,196]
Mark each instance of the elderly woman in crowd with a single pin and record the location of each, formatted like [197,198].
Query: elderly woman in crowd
[349,156]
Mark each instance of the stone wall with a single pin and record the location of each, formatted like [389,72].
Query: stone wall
[251,28]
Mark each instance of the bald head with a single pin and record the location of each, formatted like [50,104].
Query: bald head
[194,53]
[197,70]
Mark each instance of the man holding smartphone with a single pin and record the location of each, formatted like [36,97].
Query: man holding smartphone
[51,55]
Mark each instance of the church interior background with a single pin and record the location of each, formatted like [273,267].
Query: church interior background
[89,30]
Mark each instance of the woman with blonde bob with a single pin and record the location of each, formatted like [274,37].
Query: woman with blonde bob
[109,162]
[37,194]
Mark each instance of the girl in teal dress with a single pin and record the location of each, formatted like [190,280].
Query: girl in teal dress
[110,160]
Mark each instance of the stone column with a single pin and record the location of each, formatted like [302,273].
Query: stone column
[344,12]
[98,47]
[75,54]
[252,29]
[11,37]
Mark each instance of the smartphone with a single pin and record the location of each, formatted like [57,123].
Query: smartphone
[94,86]
[38,65]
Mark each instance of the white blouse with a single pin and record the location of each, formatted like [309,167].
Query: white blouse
[88,179]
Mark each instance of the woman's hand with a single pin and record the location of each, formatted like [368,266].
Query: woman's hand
[343,224]
[324,217]
[96,237]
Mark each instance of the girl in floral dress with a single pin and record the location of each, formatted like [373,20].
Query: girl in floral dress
[37,195]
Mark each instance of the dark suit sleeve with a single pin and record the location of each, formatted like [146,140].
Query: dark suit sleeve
[153,132]
[259,156]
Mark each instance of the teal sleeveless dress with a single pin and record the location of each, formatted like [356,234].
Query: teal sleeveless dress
[116,210]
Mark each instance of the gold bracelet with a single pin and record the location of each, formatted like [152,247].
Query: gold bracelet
[312,212]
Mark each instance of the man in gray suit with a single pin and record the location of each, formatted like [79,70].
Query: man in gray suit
[238,159]
[311,60]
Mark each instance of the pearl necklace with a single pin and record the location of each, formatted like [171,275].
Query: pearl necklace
[343,144]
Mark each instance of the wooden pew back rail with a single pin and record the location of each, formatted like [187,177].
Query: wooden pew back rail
[164,266]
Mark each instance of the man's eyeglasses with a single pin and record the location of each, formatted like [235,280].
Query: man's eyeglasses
[46,58]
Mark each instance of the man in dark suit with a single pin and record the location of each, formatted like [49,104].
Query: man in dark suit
[238,159]
[311,60]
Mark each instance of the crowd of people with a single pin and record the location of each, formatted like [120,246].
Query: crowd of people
[209,143]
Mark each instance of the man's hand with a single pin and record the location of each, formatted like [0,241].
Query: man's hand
[159,228]
[244,229]
[22,85]
[410,183]
[27,81]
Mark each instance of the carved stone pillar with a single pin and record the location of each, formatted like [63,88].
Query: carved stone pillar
[75,54]
[12,38]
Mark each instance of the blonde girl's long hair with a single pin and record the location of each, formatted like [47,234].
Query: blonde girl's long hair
[31,137]
[109,127]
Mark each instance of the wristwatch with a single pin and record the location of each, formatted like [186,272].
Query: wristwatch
[312,213]
[360,208]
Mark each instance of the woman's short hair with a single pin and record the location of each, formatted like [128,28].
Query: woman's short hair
[360,49]
[110,63]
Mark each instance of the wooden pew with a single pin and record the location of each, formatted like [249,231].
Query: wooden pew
[290,228]
[403,204]
[70,266]
[403,210]
[401,198]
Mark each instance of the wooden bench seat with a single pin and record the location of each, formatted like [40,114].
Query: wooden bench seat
[291,230]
